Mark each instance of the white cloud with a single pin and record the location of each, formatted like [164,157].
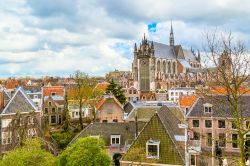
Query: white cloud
[95,36]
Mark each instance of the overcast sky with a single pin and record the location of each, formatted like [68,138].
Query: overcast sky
[57,37]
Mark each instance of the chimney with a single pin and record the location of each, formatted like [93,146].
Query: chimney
[1,99]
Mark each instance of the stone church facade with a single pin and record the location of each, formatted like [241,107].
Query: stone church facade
[158,66]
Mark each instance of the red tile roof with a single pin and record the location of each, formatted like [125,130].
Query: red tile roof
[48,90]
[187,100]
[102,101]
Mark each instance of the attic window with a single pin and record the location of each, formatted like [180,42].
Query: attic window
[153,149]
[207,108]
[115,140]
[53,93]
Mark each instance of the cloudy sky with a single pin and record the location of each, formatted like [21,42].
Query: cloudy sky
[57,37]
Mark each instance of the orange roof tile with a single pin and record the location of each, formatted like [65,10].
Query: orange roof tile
[220,90]
[58,90]
[102,101]
[187,100]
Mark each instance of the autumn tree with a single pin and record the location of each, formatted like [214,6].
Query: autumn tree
[84,93]
[85,151]
[117,91]
[230,59]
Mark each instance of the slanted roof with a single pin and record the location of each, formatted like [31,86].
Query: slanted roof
[128,107]
[157,129]
[105,130]
[163,51]
[20,102]
[220,106]
[106,99]
[187,101]
[189,55]
[184,63]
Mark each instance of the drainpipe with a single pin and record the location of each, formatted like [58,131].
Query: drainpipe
[186,144]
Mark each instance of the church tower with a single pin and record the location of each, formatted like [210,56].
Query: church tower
[171,37]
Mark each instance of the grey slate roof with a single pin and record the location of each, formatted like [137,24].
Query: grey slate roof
[19,102]
[167,52]
[105,130]
[128,107]
[163,51]
[220,106]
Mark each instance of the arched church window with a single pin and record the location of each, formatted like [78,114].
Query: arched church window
[174,66]
[158,66]
[169,67]
[164,67]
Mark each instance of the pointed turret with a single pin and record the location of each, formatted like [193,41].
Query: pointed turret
[135,48]
[199,56]
[171,37]
[152,45]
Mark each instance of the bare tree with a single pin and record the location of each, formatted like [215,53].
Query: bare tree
[230,60]
[84,93]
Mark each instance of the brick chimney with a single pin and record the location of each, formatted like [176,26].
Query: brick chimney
[1,99]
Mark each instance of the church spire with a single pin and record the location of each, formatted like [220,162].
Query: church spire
[171,37]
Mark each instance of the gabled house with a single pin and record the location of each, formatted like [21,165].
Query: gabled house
[53,108]
[108,110]
[19,119]
[161,142]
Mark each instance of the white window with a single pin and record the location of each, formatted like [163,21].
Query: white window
[6,122]
[30,120]
[115,139]
[207,108]
[6,138]
[153,149]
[31,132]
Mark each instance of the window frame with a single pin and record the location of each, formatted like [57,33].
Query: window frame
[209,140]
[193,123]
[207,108]
[115,137]
[153,143]
[220,123]
[206,120]
[233,143]
[222,141]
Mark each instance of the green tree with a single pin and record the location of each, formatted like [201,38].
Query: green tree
[31,154]
[117,91]
[86,151]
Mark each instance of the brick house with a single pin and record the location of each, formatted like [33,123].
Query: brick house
[53,107]
[109,109]
[210,120]
[19,119]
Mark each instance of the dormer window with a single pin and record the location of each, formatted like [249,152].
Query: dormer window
[153,149]
[115,140]
[207,108]
[53,93]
